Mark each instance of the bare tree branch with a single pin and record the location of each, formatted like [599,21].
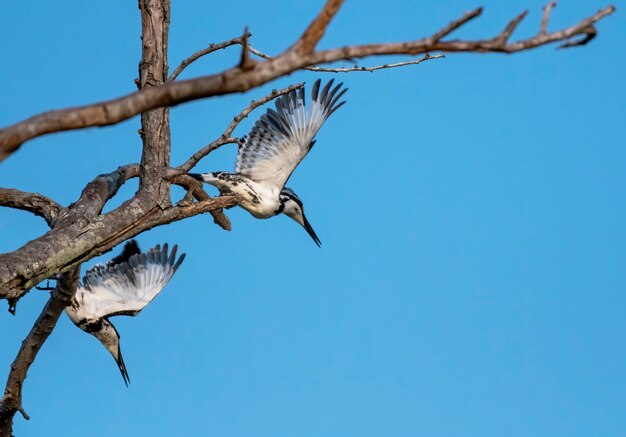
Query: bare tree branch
[492,45]
[246,63]
[587,34]
[76,239]
[35,203]
[301,55]
[503,38]
[206,51]
[545,19]
[315,31]
[454,25]
[155,123]
[95,195]
[355,68]
[93,198]
[11,402]
[195,190]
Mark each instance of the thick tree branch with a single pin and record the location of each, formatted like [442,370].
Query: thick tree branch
[77,215]
[95,195]
[11,402]
[35,203]
[299,57]
[77,239]
[155,123]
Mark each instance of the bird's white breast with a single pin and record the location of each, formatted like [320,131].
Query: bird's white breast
[260,200]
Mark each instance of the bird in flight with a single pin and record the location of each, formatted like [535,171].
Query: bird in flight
[124,286]
[277,143]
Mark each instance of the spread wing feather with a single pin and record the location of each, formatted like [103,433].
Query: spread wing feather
[124,288]
[281,138]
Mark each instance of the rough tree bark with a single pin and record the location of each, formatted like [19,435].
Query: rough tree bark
[80,232]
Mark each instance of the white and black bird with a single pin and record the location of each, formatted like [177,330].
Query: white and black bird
[124,286]
[277,143]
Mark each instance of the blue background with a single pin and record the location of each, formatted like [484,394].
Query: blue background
[471,209]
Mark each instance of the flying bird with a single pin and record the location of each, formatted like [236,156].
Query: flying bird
[277,143]
[123,286]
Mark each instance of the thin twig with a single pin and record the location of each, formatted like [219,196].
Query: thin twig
[468,16]
[503,38]
[355,68]
[545,19]
[210,49]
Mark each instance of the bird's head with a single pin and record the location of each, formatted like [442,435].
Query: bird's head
[110,339]
[292,207]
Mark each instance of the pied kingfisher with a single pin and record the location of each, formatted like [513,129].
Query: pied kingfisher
[124,286]
[277,143]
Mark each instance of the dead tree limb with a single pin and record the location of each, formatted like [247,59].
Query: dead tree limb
[356,67]
[35,203]
[52,253]
[155,122]
[300,55]
[206,51]
[11,402]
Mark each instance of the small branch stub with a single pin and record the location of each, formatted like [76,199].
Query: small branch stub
[246,63]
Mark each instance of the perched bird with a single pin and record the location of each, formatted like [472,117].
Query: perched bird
[279,140]
[124,286]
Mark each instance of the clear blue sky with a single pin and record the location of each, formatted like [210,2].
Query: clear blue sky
[472,214]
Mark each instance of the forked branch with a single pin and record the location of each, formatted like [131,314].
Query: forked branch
[300,55]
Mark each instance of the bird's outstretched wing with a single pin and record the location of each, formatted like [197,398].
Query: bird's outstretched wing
[124,288]
[281,138]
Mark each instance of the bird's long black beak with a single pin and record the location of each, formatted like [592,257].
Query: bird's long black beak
[310,230]
[122,366]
